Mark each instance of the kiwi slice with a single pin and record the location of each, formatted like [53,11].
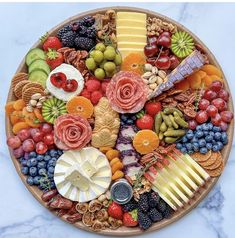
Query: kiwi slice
[182,44]
[53,108]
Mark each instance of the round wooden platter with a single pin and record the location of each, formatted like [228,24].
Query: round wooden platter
[199,196]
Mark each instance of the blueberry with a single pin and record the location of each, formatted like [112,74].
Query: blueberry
[42,172]
[40,158]
[189,135]
[50,175]
[32,154]
[129,122]
[179,146]
[190,152]
[211,133]
[53,153]
[25,170]
[195,146]
[224,136]
[60,152]
[205,127]
[33,171]
[36,180]
[47,158]
[209,138]
[33,161]
[29,180]
[210,126]
[47,153]
[183,150]
[214,142]
[29,163]
[225,141]
[21,159]
[51,169]
[199,127]
[195,139]
[184,139]
[215,148]
[203,150]
[41,164]
[199,134]
[206,133]
[209,146]
[23,162]
[202,143]
[188,146]
[220,145]
[190,131]
[216,129]
[124,117]
[217,136]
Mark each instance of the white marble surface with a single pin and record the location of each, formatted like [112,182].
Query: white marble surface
[21,25]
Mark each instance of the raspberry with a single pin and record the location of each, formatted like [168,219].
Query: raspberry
[104,85]
[85,93]
[95,97]
[93,85]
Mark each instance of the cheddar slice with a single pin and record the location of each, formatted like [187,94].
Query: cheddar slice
[131,30]
[133,45]
[131,15]
[132,38]
[131,22]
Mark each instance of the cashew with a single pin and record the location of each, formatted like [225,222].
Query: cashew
[154,70]
[152,79]
[39,105]
[152,86]
[162,74]
[148,67]
[33,102]
[36,96]
[159,80]
[147,75]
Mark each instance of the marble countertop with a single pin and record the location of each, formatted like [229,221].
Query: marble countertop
[21,25]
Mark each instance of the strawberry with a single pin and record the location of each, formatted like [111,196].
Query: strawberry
[115,211]
[130,218]
[95,97]
[145,122]
[54,58]
[153,108]
[93,85]
[51,42]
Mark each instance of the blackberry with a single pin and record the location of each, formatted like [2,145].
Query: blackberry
[91,32]
[83,43]
[64,30]
[168,212]
[75,26]
[88,21]
[68,39]
[154,199]
[129,207]
[161,206]
[155,215]
[83,31]
[144,220]
[143,203]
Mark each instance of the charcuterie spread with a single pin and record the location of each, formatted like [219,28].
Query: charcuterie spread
[117,121]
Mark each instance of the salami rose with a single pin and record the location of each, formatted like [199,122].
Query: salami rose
[126,92]
[71,132]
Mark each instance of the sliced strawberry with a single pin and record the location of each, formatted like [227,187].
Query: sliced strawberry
[58,79]
[71,85]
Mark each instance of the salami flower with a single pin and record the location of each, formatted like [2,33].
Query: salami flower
[71,132]
[126,92]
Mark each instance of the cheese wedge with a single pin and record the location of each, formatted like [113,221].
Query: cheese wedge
[131,15]
[131,22]
[131,30]
[133,45]
[131,38]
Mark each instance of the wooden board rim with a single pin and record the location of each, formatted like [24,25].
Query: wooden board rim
[124,231]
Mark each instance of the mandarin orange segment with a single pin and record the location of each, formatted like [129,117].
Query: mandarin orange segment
[182,85]
[81,106]
[38,114]
[145,141]
[30,118]
[19,126]
[9,109]
[16,116]
[194,80]
[19,104]
[211,70]
[134,62]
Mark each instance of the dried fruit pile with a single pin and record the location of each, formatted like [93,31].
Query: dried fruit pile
[119,119]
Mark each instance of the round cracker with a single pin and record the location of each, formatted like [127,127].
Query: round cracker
[217,163]
[216,172]
[210,161]
[32,85]
[19,88]
[198,157]
[27,94]
[18,78]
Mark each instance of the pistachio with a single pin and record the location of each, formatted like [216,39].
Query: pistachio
[148,67]
[159,80]
[101,198]
[33,102]
[152,79]
[147,75]
[36,96]
[29,108]
[162,74]
[152,86]
[39,105]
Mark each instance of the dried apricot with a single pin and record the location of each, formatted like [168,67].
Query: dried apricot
[117,175]
[16,116]
[182,85]
[134,62]
[111,154]
[201,73]
[30,118]
[145,141]
[19,104]
[19,126]
[105,149]
[81,106]
[9,109]
[117,166]
[194,80]
[115,160]
[38,114]
[211,70]
[207,80]
[215,77]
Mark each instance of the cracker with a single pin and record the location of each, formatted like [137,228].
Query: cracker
[18,78]
[217,163]
[216,172]
[32,85]
[210,161]
[198,157]
[27,94]
[19,88]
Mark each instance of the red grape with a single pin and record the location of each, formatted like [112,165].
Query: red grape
[192,124]
[28,145]
[165,52]
[41,148]
[164,40]
[223,125]
[163,62]
[211,110]
[151,61]
[46,128]
[216,86]
[174,61]
[38,136]
[209,95]
[201,117]
[23,134]
[203,104]
[216,120]
[19,152]
[220,104]
[48,139]
[14,142]
[33,131]
[152,40]
[226,116]
[223,94]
